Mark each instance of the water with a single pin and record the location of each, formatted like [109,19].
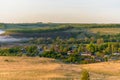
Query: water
[1,31]
[5,39]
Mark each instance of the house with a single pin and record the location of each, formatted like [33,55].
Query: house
[88,59]
[113,58]
[70,52]
[47,50]
[106,56]
[73,47]
[41,51]
[23,51]
[86,54]
[98,59]
[116,54]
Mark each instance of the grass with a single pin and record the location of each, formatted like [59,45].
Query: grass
[106,30]
[28,68]
[109,70]
[38,30]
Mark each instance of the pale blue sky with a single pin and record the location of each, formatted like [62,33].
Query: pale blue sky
[69,11]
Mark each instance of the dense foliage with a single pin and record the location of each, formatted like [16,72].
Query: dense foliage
[69,53]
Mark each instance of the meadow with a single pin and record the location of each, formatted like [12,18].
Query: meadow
[106,30]
[35,68]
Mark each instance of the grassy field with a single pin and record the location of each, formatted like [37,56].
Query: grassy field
[24,68]
[27,68]
[107,70]
[106,30]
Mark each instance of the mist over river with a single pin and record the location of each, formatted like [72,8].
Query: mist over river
[5,39]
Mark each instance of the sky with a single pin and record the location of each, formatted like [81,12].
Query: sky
[60,11]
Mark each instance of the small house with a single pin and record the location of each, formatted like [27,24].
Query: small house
[70,52]
[98,59]
[41,51]
[116,54]
[86,54]
[23,51]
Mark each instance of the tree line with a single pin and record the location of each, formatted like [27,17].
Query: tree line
[69,53]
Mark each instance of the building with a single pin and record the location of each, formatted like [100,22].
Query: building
[86,54]
[116,54]
[70,52]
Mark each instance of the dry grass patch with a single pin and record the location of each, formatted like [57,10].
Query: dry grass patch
[28,68]
[35,68]
[107,70]
[106,30]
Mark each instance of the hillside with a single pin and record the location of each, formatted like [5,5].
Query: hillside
[53,30]
[22,68]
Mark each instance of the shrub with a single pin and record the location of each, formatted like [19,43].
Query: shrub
[85,75]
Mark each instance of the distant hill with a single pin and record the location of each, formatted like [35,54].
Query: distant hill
[62,30]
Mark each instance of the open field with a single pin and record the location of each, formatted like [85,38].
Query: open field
[106,30]
[24,68]
[28,68]
[109,70]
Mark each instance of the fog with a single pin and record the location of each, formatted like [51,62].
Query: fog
[6,39]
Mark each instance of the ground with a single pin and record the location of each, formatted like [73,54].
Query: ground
[35,68]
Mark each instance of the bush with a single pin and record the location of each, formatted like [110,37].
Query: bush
[85,75]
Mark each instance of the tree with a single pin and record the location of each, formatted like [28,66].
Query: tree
[92,39]
[114,48]
[86,39]
[108,50]
[80,49]
[91,47]
[58,40]
[100,41]
[61,48]
[98,54]
[32,50]
[119,50]
[65,49]
[85,75]
[72,40]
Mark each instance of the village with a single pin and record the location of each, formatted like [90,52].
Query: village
[86,56]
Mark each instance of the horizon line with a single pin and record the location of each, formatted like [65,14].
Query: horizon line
[56,23]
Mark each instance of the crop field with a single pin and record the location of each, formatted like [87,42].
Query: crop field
[28,68]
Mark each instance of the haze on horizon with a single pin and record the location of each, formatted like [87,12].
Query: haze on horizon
[60,11]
